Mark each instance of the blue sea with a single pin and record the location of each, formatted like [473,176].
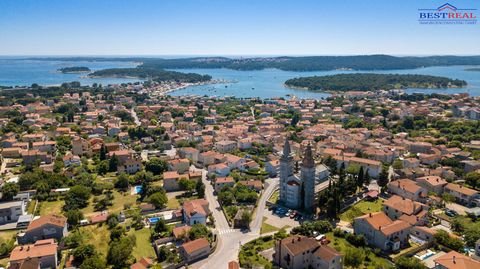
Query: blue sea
[20,72]
[257,83]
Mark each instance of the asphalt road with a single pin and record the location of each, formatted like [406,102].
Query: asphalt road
[230,240]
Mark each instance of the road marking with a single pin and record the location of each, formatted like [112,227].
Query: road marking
[226,231]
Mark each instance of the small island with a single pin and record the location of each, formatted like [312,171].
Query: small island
[372,82]
[158,75]
[473,69]
[74,69]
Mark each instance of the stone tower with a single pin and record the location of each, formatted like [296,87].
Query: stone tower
[308,180]
[286,170]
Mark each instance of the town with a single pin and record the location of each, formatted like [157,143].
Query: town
[126,176]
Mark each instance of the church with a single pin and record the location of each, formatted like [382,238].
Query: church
[297,191]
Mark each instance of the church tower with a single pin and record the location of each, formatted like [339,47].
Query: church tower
[286,170]
[308,180]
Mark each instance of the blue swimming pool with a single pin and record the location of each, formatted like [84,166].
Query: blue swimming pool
[153,220]
[137,189]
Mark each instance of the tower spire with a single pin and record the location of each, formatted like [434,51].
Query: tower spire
[308,158]
[286,149]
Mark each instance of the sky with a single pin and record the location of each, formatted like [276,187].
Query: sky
[230,27]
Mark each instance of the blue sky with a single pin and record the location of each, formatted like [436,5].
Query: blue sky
[221,27]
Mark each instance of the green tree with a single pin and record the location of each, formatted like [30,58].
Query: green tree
[83,252]
[9,190]
[409,263]
[187,185]
[383,177]
[93,262]
[74,217]
[354,257]
[113,163]
[360,177]
[158,199]
[200,189]
[443,238]
[122,182]
[198,231]
[77,197]
[120,252]
[156,166]
[160,226]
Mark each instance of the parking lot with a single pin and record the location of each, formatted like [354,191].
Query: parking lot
[279,219]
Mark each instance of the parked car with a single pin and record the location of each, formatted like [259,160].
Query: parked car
[450,213]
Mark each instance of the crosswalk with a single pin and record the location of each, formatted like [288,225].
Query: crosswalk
[226,231]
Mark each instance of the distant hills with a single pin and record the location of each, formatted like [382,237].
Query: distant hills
[305,63]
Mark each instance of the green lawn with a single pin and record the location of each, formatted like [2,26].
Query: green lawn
[51,207]
[99,236]
[361,208]
[267,228]
[274,198]
[173,203]
[143,247]
[119,202]
[372,262]
[249,255]
[31,207]
[7,235]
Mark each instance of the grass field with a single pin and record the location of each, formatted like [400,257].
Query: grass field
[99,236]
[7,235]
[51,207]
[267,228]
[371,262]
[361,208]
[173,203]
[143,247]
[119,202]
[274,197]
[249,255]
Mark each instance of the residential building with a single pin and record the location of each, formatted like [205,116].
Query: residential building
[455,260]
[382,232]
[408,189]
[225,146]
[42,254]
[195,211]
[11,211]
[45,227]
[463,195]
[298,252]
[434,184]
[221,182]
[195,250]
[413,212]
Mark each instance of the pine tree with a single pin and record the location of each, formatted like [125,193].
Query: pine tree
[103,153]
[360,177]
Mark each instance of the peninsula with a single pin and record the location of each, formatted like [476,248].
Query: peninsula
[372,82]
[74,69]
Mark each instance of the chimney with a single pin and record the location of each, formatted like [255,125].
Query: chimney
[370,214]
[380,227]
[453,259]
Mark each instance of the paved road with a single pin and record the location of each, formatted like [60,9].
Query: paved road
[230,240]
[135,117]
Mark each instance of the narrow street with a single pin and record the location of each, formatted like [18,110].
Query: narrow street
[135,117]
